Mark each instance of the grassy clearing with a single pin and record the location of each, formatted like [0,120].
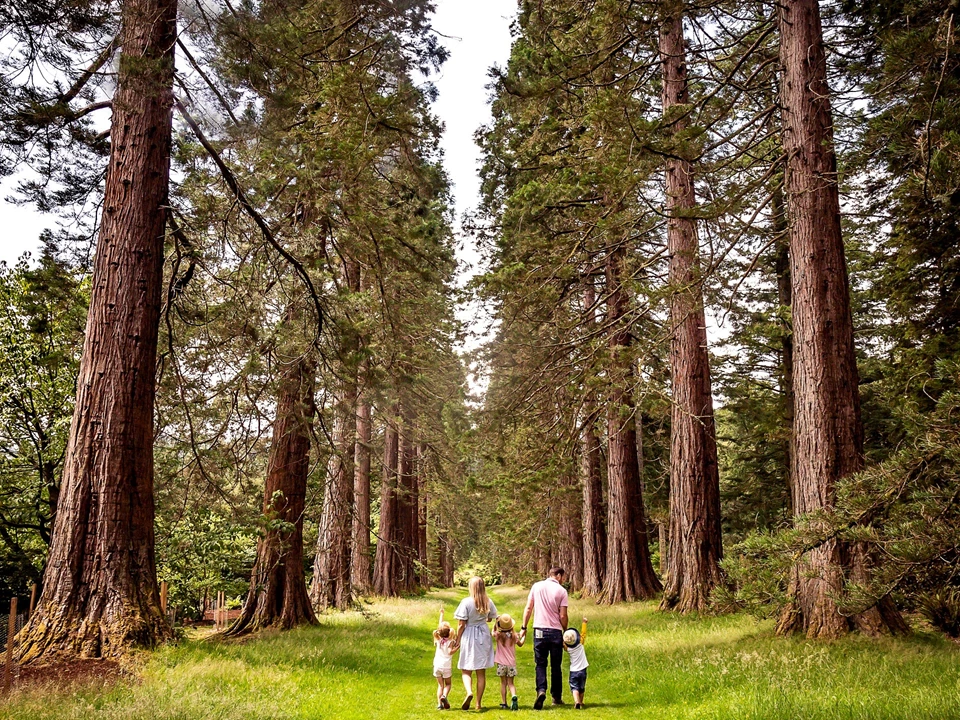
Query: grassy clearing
[643,664]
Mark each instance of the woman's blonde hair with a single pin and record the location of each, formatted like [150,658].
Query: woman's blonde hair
[478,591]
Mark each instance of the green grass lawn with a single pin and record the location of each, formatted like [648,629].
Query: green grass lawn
[643,664]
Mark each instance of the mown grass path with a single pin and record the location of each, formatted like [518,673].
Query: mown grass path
[643,664]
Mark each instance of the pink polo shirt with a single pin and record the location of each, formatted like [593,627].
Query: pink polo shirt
[548,597]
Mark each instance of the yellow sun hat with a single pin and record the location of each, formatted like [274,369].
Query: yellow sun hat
[504,623]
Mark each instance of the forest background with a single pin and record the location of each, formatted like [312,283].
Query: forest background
[300,430]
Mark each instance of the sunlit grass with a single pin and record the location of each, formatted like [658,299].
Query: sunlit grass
[643,664]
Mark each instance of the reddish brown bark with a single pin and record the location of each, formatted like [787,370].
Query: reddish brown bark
[570,531]
[360,566]
[278,590]
[100,593]
[630,575]
[445,552]
[395,569]
[594,509]
[828,442]
[694,560]
[423,559]
[386,567]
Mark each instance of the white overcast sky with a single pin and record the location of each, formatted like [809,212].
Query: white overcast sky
[477,35]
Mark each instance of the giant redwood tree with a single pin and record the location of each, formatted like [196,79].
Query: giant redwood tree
[331,567]
[828,435]
[696,550]
[629,571]
[100,593]
[278,590]
[594,508]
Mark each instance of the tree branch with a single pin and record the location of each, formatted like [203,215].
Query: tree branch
[231,180]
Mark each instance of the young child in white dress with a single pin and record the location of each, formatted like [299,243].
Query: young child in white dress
[443,661]
[507,642]
[573,643]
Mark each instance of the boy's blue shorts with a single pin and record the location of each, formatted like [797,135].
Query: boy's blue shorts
[578,680]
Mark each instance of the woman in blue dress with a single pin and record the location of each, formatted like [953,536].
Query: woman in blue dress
[474,639]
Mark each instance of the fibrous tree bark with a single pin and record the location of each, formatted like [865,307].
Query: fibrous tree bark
[331,568]
[696,549]
[594,508]
[630,575]
[828,438]
[331,586]
[100,593]
[445,552]
[278,590]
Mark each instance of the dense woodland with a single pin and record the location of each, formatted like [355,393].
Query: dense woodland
[242,363]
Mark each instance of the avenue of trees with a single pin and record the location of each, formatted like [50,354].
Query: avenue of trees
[721,265]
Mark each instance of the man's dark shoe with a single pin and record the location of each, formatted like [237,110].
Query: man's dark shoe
[538,703]
[557,702]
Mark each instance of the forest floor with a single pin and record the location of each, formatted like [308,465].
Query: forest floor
[643,664]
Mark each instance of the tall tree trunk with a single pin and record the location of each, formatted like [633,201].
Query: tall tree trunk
[544,558]
[360,569]
[570,531]
[422,518]
[630,574]
[828,429]
[387,560]
[594,509]
[445,551]
[696,550]
[100,593]
[331,586]
[278,590]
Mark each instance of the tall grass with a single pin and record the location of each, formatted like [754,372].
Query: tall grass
[643,664]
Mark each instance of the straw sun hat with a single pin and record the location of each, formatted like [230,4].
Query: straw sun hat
[505,623]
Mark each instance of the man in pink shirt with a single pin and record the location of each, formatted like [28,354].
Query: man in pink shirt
[548,605]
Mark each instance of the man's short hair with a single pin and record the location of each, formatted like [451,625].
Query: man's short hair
[557,572]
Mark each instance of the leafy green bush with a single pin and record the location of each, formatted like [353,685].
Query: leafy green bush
[471,568]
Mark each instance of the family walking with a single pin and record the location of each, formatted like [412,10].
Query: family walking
[480,650]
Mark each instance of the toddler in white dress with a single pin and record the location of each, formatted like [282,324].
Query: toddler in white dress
[443,661]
